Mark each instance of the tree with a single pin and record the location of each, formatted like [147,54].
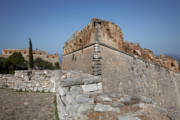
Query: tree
[41,64]
[31,61]
[13,62]
[57,65]
[2,68]
[16,61]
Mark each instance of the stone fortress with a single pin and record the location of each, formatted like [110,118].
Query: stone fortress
[99,49]
[110,34]
[52,58]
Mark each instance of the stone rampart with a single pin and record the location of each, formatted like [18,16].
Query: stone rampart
[129,75]
[125,67]
[111,35]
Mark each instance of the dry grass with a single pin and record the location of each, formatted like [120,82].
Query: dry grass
[102,115]
[128,109]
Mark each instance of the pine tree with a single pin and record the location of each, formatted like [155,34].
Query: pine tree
[31,61]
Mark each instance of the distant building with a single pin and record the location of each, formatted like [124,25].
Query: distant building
[52,58]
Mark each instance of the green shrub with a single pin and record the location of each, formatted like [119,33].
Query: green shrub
[41,64]
[2,67]
[14,62]
[57,66]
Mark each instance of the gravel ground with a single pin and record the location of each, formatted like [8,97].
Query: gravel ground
[26,105]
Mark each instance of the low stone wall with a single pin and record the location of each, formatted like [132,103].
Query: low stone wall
[30,80]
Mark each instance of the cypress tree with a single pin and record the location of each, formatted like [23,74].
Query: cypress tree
[31,61]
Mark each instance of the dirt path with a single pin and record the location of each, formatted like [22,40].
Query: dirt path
[26,105]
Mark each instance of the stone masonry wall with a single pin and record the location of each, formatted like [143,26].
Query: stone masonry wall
[79,60]
[28,80]
[128,75]
[124,67]
[111,35]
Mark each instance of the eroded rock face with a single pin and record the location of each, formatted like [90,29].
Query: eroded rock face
[111,35]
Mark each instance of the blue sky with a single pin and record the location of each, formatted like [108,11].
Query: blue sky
[154,24]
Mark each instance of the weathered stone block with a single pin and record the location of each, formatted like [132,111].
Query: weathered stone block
[61,91]
[84,108]
[105,108]
[80,99]
[90,87]
[104,98]
[127,117]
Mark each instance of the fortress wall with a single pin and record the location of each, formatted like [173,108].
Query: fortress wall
[128,75]
[79,60]
[125,67]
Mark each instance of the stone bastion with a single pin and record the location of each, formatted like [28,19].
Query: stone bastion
[99,49]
